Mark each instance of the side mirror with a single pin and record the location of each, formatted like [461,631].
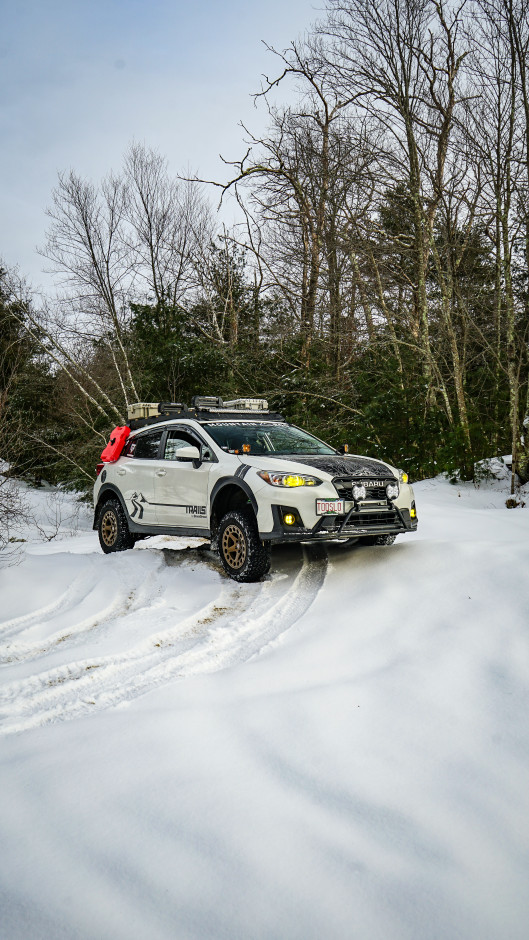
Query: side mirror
[343,449]
[188,453]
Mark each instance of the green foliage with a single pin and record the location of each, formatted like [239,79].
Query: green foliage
[234,341]
[168,355]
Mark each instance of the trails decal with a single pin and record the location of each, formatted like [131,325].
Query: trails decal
[138,501]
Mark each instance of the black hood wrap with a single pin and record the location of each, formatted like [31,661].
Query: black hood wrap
[340,466]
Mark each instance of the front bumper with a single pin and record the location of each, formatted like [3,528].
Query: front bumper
[353,524]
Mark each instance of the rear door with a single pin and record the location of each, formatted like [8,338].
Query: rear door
[181,487]
[136,475]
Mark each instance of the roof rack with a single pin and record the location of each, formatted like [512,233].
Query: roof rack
[203,408]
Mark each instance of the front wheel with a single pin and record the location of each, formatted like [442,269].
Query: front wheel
[242,553]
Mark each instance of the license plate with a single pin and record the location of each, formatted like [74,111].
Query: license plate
[325,507]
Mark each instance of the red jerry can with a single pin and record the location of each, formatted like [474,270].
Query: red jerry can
[112,451]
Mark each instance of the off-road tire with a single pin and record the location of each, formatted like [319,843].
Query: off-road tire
[114,535]
[243,555]
[377,540]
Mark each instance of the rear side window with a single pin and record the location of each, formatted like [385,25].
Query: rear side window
[147,446]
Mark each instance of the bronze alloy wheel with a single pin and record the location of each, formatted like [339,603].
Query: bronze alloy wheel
[234,546]
[109,528]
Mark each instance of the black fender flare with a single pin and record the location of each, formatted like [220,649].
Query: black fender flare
[107,490]
[231,481]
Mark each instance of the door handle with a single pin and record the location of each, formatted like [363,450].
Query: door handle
[161,473]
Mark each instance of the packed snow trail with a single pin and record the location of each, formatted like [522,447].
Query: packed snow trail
[235,623]
[360,769]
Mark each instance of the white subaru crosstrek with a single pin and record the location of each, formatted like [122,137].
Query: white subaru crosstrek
[240,475]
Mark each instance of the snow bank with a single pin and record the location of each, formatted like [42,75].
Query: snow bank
[339,752]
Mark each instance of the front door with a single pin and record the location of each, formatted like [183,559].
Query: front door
[181,488]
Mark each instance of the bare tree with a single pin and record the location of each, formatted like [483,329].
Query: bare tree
[167,221]
[400,61]
[86,245]
[288,172]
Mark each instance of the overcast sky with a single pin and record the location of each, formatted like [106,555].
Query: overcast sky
[80,80]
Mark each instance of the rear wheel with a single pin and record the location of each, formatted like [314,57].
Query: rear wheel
[242,553]
[114,535]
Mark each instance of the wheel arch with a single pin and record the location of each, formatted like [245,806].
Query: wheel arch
[109,491]
[229,493]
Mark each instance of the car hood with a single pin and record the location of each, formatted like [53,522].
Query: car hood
[348,465]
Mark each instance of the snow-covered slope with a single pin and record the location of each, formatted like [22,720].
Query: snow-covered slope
[340,752]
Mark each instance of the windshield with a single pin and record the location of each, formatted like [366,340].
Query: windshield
[246,437]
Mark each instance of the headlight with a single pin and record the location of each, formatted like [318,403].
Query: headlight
[403,476]
[288,479]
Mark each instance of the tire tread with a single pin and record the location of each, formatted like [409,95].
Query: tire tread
[257,562]
[125,539]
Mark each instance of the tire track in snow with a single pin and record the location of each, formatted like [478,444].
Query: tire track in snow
[238,624]
[10,627]
[127,600]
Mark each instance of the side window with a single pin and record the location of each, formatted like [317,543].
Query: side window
[176,440]
[179,438]
[147,445]
[130,447]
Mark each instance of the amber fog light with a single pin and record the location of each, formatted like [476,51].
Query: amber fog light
[289,518]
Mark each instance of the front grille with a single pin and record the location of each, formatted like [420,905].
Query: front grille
[344,487]
[362,519]
[374,518]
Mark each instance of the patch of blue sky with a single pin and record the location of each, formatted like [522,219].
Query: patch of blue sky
[80,81]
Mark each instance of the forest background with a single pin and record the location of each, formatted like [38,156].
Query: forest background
[375,289]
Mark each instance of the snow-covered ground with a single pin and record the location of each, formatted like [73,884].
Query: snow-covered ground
[339,752]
